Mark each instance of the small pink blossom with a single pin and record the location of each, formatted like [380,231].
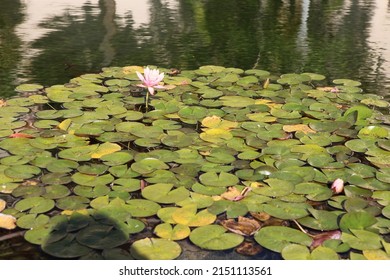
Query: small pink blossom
[150,79]
[337,186]
[335,90]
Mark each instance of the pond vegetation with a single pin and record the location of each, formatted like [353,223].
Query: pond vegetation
[222,157]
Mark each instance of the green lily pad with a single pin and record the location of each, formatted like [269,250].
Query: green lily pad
[362,239]
[91,180]
[192,112]
[116,254]
[72,203]
[92,169]
[56,178]
[123,171]
[233,209]
[177,139]
[215,237]
[62,165]
[257,72]
[35,205]
[313,191]
[142,207]
[276,238]
[237,101]
[164,193]
[300,252]
[293,79]
[167,124]
[125,184]
[247,81]
[155,249]
[207,190]
[30,221]
[275,188]
[324,253]
[67,247]
[82,153]
[373,132]
[148,165]
[201,200]
[91,192]
[28,191]
[22,171]
[49,114]
[101,237]
[28,87]
[38,235]
[286,210]
[356,220]
[220,157]
[117,82]
[296,252]
[222,179]
[347,82]
[386,211]
[320,220]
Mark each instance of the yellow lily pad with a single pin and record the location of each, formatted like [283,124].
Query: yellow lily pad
[188,215]
[105,149]
[167,231]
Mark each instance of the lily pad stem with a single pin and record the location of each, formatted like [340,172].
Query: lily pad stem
[147,101]
[12,235]
[302,229]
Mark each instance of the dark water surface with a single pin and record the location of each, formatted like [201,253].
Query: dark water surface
[52,41]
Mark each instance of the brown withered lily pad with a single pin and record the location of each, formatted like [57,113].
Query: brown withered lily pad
[233,194]
[243,226]
[249,249]
[319,238]
[261,216]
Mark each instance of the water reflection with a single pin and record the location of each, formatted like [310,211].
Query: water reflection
[52,41]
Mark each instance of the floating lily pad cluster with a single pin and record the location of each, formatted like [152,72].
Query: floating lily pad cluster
[223,158]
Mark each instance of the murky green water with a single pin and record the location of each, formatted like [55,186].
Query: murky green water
[52,41]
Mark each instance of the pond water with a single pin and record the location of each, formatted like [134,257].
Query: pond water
[52,41]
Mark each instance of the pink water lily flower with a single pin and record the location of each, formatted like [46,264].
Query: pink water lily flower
[337,186]
[151,79]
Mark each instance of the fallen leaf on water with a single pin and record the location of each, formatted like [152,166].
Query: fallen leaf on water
[260,216]
[2,204]
[244,226]
[233,194]
[7,221]
[318,239]
[249,249]
[21,135]
[276,222]
[298,127]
